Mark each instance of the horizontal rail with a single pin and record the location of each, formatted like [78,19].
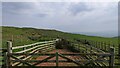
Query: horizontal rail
[33,48]
[3,49]
[61,60]
[31,44]
[79,54]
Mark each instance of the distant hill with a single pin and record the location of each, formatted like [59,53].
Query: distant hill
[116,37]
[21,36]
[100,34]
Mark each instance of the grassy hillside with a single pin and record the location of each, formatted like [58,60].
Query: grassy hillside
[22,36]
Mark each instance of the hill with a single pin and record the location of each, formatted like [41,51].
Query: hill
[22,36]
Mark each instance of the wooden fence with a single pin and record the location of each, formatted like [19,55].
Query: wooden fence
[80,62]
[32,48]
[22,55]
[101,47]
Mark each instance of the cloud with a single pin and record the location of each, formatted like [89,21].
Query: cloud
[65,16]
[79,7]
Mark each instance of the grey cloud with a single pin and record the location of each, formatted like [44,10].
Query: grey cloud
[57,15]
[13,7]
[41,15]
[77,8]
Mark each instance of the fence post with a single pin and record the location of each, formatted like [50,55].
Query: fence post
[9,50]
[119,49]
[100,45]
[6,60]
[94,43]
[97,43]
[111,62]
[24,48]
[105,47]
[57,59]
[4,57]
[90,49]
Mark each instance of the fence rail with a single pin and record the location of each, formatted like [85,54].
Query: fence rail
[31,48]
[94,46]
[24,54]
[83,61]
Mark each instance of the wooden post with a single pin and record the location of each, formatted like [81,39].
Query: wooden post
[90,49]
[102,43]
[6,60]
[9,50]
[100,46]
[57,59]
[97,43]
[86,50]
[119,49]
[105,47]
[111,62]
[24,48]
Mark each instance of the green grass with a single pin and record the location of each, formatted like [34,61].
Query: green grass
[21,36]
[24,36]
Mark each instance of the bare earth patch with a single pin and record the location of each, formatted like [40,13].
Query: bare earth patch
[60,51]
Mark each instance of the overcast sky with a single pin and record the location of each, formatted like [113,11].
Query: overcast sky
[75,17]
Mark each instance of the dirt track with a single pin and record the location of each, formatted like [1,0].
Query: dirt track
[61,51]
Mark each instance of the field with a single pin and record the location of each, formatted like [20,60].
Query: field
[24,36]
[21,36]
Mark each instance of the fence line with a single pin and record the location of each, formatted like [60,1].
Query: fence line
[32,48]
[27,51]
[110,60]
[102,46]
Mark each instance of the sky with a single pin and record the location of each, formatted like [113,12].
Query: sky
[92,18]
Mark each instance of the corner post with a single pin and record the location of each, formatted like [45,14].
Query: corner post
[111,63]
[9,51]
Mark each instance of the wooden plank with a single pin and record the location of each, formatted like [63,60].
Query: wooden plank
[93,51]
[57,59]
[9,50]
[82,54]
[17,63]
[32,44]
[69,59]
[30,61]
[44,60]
[22,61]
[34,48]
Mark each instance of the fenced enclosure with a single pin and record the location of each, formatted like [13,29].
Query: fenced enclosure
[87,46]
[89,54]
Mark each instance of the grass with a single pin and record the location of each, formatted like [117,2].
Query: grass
[24,36]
